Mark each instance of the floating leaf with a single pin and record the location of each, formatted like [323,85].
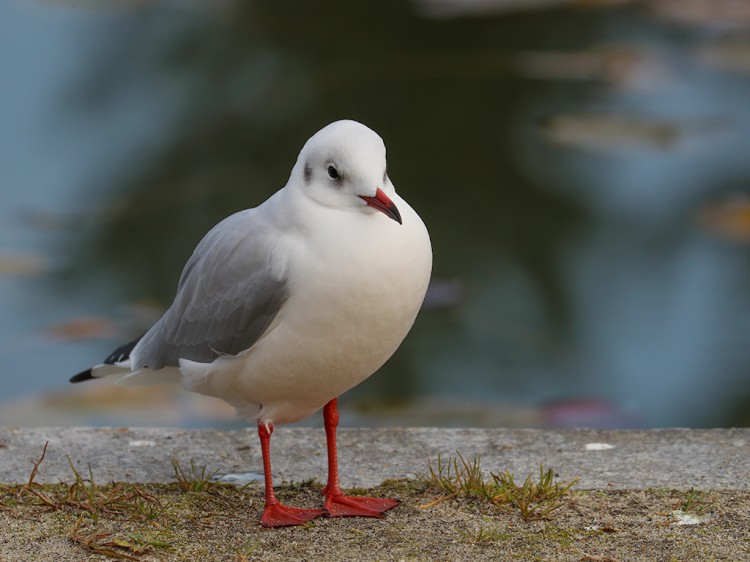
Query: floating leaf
[730,219]
[608,131]
[21,265]
[82,328]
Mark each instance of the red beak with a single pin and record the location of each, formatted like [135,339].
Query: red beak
[382,203]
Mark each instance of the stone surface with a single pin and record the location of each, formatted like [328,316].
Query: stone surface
[601,459]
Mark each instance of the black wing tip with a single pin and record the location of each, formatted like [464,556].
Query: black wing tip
[82,376]
[122,353]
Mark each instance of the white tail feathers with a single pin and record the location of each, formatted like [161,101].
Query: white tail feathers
[146,377]
[107,370]
[138,377]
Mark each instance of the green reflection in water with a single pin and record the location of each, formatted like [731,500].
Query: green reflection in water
[243,89]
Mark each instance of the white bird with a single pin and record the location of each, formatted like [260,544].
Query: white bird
[283,307]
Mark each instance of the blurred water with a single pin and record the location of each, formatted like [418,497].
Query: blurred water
[569,163]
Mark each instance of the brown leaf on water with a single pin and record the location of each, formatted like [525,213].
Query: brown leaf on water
[729,219]
[21,265]
[628,67]
[730,54]
[82,328]
[456,8]
[726,14]
[614,131]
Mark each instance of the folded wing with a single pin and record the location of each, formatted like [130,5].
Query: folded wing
[231,289]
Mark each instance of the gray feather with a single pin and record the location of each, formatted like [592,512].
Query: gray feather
[227,297]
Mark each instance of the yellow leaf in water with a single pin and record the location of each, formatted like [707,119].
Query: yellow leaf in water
[83,328]
[21,265]
[611,131]
[729,54]
[730,219]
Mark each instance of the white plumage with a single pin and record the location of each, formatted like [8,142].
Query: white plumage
[283,307]
[344,283]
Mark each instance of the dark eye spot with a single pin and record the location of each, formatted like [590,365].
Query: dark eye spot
[333,173]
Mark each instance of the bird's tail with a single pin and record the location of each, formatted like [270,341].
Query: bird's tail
[117,363]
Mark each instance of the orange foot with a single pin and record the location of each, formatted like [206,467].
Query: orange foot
[279,515]
[339,505]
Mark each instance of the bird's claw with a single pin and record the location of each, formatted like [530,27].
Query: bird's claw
[339,505]
[279,515]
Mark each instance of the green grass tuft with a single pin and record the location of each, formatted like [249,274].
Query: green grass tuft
[194,480]
[535,499]
[484,535]
[457,476]
[692,501]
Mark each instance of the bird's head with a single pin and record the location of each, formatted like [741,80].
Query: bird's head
[343,166]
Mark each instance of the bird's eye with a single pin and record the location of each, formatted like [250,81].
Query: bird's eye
[333,172]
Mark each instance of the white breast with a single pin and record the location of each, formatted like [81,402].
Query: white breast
[355,291]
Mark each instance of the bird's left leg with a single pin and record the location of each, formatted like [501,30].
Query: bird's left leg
[337,504]
[276,514]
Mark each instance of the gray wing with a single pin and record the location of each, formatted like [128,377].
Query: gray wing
[227,297]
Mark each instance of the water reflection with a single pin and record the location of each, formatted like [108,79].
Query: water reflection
[573,166]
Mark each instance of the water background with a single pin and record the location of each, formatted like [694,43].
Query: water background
[584,172]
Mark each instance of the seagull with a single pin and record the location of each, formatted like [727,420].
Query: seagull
[283,307]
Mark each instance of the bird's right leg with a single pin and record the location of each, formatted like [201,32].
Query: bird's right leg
[337,504]
[275,513]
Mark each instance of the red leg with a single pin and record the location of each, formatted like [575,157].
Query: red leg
[337,504]
[275,513]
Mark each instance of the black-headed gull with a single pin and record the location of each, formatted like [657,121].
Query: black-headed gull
[283,307]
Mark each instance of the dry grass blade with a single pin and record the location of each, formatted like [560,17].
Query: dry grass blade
[98,543]
[35,470]
[85,495]
[437,501]
[147,541]
[44,499]
[146,506]
[34,488]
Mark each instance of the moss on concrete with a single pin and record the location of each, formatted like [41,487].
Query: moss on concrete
[78,521]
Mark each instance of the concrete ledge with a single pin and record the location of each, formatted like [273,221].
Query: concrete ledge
[664,458]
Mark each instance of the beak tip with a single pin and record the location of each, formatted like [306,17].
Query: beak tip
[381,202]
